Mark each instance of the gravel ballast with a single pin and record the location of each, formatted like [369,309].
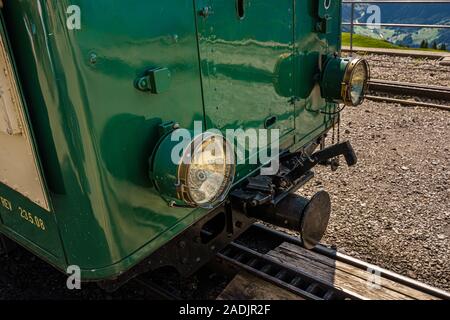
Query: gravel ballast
[407,69]
[393,208]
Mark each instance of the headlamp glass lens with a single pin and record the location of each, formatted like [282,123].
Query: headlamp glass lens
[211,170]
[358,83]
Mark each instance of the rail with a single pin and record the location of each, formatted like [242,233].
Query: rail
[428,92]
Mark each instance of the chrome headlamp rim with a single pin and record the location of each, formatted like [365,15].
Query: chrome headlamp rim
[183,171]
[346,89]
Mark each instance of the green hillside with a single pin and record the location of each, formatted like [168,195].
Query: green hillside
[367,42]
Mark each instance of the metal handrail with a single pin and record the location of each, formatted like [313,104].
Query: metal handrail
[402,25]
[397,1]
[352,23]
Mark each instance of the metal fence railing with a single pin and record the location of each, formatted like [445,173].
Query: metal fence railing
[352,22]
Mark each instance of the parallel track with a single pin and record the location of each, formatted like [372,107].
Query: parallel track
[408,102]
[409,89]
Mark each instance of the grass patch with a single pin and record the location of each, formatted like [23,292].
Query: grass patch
[368,42]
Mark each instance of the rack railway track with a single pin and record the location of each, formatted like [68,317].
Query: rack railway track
[277,260]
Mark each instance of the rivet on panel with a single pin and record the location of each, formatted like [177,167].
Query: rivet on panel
[93,58]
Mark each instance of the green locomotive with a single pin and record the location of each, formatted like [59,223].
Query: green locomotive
[97,95]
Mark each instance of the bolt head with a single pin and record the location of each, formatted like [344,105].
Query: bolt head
[93,58]
[143,84]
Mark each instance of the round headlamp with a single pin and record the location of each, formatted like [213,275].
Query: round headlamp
[345,80]
[196,172]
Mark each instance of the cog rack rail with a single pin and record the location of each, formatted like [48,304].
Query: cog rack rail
[289,278]
[287,251]
[277,259]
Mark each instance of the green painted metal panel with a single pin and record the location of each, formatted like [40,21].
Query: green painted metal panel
[312,47]
[97,127]
[247,67]
[267,64]
[95,131]
[239,57]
